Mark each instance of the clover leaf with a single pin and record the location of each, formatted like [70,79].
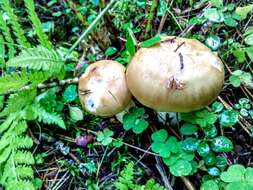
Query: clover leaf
[133,120]
[221,144]
[181,168]
[238,177]
[105,137]
[163,145]
[203,118]
[229,118]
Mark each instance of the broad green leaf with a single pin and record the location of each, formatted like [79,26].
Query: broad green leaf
[217,3]
[181,168]
[240,55]
[213,42]
[229,21]
[140,126]
[246,78]
[213,171]
[118,142]
[188,129]
[210,132]
[110,51]
[70,93]
[150,42]
[249,40]
[244,11]
[249,176]
[75,113]
[239,185]
[214,15]
[161,148]
[209,185]
[229,118]
[221,144]
[235,80]
[221,162]
[190,144]
[210,159]
[217,107]
[249,52]
[203,149]
[133,120]
[160,136]
[105,136]
[234,173]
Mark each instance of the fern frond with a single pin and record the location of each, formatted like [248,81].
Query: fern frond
[15,81]
[7,35]
[24,172]
[17,102]
[5,154]
[16,27]
[15,160]
[126,178]
[7,123]
[50,118]
[43,39]
[2,51]
[20,128]
[23,157]
[38,58]
[20,185]
[152,185]
[24,142]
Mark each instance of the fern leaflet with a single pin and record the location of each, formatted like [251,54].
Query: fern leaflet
[17,102]
[38,58]
[16,171]
[43,39]
[13,19]
[7,35]
[49,117]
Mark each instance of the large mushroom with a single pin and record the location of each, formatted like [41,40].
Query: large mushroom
[175,75]
[103,90]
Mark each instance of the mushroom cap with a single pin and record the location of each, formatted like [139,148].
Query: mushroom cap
[103,90]
[175,75]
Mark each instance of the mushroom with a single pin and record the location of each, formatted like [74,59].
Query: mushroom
[103,90]
[175,75]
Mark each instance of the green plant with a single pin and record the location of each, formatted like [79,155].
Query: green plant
[239,77]
[236,176]
[134,120]
[126,181]
[37,64]
[105,137]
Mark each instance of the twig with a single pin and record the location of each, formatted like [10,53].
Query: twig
[150,18]
[48,85]
[187,183]
[101,162]
[90,27]
[129,145]
[160,169]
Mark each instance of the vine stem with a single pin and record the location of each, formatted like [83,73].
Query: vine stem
[90,27]
[151,17]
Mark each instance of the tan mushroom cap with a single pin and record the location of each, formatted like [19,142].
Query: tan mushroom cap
[175,75]
[103,90]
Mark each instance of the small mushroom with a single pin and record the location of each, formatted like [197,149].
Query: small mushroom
[175,75]
[103,90]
